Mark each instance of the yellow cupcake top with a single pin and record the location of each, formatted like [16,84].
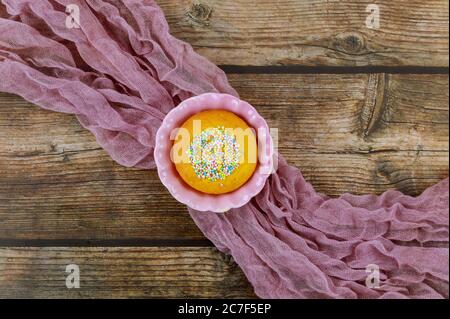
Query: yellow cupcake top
[215,152]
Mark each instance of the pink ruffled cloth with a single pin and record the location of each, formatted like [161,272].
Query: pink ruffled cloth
[122,71]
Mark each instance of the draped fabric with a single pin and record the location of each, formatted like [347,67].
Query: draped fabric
[121,71]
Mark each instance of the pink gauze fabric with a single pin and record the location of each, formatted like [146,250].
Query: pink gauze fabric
[122,71]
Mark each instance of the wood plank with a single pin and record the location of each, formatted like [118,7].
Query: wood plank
[358,134]
[348,133]
[314,33]
[121,273]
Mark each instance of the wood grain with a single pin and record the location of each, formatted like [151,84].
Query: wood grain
[348,133]
[316,33]
[121,273]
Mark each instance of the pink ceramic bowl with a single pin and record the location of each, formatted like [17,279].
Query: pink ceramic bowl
[169,175]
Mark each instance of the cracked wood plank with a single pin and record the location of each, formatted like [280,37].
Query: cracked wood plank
[121,273]
[347,133]
[375,102]
[313,33]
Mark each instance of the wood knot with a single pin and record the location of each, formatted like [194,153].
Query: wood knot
[53,148]
[350,43]
[200,14]
[225,260]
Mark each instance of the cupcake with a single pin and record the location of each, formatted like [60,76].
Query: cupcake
[215,152]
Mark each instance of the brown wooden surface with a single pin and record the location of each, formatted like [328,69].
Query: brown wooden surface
[121,273]
[347,133]
[316,32]
[358,133]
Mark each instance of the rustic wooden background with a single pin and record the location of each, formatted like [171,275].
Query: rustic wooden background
[359,110]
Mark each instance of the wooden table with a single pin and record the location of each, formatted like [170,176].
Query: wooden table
[359,110]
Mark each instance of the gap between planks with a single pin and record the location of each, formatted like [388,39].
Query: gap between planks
[299,69]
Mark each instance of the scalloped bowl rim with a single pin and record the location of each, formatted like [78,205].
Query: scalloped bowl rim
[183,192]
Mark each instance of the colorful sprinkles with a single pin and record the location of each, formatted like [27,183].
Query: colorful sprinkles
[214,154]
